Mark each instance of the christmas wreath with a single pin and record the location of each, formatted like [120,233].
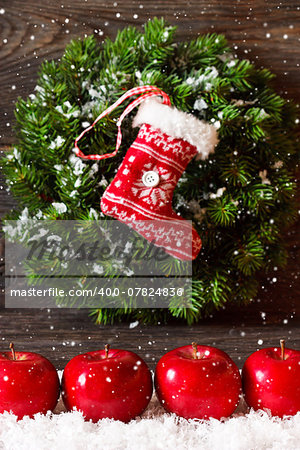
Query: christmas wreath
[240,198]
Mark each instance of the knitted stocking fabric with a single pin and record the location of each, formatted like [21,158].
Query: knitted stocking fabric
[143,187]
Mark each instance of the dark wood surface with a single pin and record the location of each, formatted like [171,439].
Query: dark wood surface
[267,33]
[60,336]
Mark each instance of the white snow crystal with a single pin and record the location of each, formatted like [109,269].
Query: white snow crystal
[24,215]
[98,269]
[133,324]
[77,164]
[218,194]
[94,169]
[59,109]
[60,207]
[42,232]
[68,104]
[68,113]
[15,154]
[103,182]
[93,214]
[20,227]
[39,214]
[232,63]
[204,80]
[128,247]
[77,182]
[57,143]
[40,90]
[200,104]
[166,35]
[95,93]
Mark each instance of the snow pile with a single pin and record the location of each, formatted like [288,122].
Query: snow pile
[154,430]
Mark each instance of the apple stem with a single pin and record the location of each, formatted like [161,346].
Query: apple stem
[11,346]
[106,348]
[282,345]
[194,345]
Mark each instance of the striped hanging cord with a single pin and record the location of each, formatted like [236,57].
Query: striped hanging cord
[147,91]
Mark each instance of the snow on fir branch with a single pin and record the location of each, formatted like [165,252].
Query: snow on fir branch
[241,199]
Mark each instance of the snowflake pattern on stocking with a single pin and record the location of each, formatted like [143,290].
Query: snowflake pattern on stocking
[160,194]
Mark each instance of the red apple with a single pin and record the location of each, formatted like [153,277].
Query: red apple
[28,383]
[198,381]
[271,379]
[113,383]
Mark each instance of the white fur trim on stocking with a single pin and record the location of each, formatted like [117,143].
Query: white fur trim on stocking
[179,125]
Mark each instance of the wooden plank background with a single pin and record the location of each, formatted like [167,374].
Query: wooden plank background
[267,33]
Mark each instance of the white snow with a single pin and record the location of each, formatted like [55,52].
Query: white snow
[103,182]
[57,143]
[218,194]
[200,104]
[77,182]
[93,214]
[19,228]
[94,169]
[70,113]
[98,269]
[42,232]
[77,164]
[94,93]
[15,154]
[205,80]
[155,429]
[40,90]
[231,63]
[60,207]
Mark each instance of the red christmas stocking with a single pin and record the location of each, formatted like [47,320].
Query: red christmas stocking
[141,193]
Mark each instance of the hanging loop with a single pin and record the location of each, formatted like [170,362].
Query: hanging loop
[147,91]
